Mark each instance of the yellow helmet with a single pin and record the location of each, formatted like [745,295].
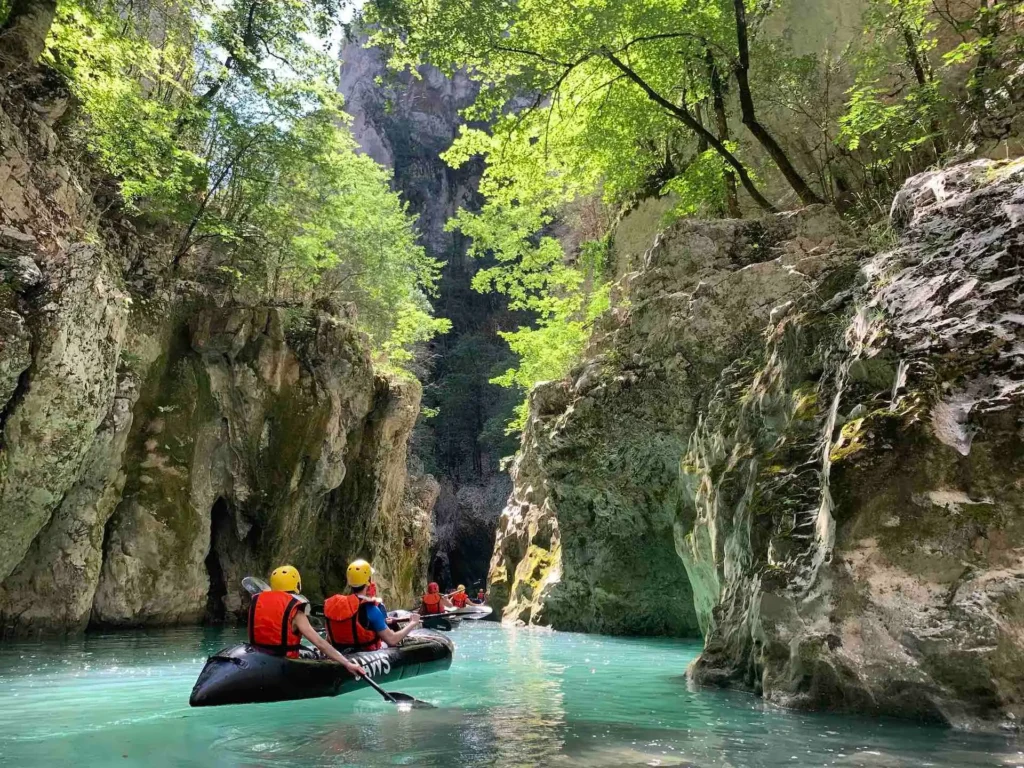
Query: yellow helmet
[462,588]
[359,573]
[286,579]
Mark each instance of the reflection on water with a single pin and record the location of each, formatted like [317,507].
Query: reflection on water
[512,698]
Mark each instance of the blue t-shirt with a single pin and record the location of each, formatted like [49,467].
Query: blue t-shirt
[376,617]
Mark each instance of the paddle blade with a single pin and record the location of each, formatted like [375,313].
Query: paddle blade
[405,701]
[402,700]
[254,586]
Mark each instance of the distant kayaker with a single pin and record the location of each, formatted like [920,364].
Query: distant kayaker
[460,598]
[434,602]
[278,620]
[357,621]
[481,598]
[371,591]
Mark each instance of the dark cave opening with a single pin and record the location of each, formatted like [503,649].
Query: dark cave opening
[220,525]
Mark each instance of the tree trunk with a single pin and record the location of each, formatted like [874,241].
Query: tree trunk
[988,28]
[684,116]
[23,36]
[765,139]
[923,75]
[732,202]
[702,143]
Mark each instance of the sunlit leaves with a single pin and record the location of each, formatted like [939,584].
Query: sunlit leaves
[225,118]
[130,120]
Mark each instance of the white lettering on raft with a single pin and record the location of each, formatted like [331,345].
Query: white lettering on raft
[375,663]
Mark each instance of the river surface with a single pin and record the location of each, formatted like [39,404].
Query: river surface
[512,698]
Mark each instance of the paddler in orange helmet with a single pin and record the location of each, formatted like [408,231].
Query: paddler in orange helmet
[278,620]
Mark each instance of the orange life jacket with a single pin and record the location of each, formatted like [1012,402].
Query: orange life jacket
[343,627]
[270,622]
[459,599]
[432,603]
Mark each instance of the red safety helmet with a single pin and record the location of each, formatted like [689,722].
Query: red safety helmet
[371,589]
[432,588]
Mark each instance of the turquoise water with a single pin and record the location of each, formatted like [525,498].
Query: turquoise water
[512,698]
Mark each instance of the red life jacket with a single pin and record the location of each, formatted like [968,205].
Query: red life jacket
[432,603]
[270,622]
[459,599]
[343,627]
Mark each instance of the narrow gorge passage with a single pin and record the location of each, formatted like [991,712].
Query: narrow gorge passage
[666,355]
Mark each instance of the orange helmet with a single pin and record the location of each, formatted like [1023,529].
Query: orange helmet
[432,588]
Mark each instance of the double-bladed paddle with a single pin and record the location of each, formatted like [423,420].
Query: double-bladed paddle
[254,586]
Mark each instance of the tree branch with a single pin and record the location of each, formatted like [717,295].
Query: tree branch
[749,116]
[722,123]
[684,116]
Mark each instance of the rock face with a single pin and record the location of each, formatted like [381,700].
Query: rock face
[405,123]
[157,445]
[601,454]
[465,518]
[527,562]
[859,515]
[248,430]
[829,443]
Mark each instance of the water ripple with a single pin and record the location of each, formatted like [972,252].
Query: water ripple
[512,698]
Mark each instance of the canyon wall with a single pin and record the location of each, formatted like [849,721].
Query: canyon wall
[406,122]
[158,441]
[808,448]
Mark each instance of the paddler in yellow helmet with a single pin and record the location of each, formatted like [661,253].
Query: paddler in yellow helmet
[278,620]
[356,620]
[459,597]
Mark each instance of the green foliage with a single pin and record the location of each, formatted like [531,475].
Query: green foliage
[635,98]
[588,129]
[130,128]
[700,188]
[913,100]
[225,118]
[895,104]
[468,438]
[564,300]
[414,325]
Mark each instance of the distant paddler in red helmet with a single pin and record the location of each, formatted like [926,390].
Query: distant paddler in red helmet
[357,621]
[278,620]
[434,602]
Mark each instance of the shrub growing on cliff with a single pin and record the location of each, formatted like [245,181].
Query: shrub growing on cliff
[225,117]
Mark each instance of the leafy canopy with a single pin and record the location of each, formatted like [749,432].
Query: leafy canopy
[635,98]
[578,126]
[225,118]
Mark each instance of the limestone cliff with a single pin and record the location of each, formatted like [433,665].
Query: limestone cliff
[602,451]
[813,450]
[406,123]
[159,442]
